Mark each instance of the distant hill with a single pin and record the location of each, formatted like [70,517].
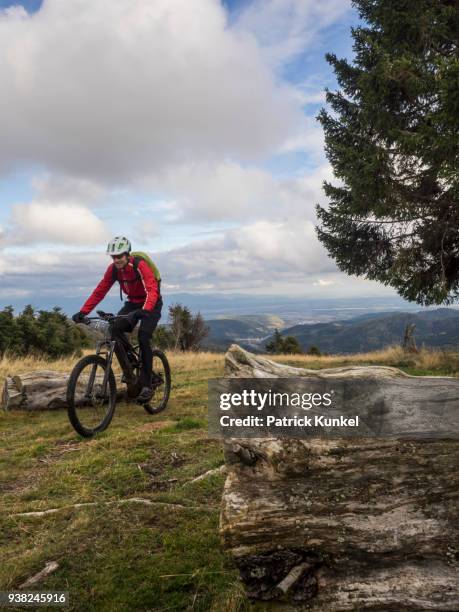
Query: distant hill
[437,329]
[250,331]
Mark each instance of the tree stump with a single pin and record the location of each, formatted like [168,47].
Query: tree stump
[41,390]
[409,343]
[343,524]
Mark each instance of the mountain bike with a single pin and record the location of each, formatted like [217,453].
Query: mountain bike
[92,389]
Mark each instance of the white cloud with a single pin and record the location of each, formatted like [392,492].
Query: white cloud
[228,191]
[284,28]
[40,222]
[59,188]
[259,254]
[321,282]
[214,191]
[241,264]
[115,89]
[145,231]
[291,245]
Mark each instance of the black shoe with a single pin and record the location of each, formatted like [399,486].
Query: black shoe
[145,395]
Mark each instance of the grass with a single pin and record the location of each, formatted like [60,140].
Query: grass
[133,556]
[424,363]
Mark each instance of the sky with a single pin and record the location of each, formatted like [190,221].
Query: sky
[189,127]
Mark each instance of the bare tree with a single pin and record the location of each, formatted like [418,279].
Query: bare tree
[409,343]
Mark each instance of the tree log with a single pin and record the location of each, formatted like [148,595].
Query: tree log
[42,390]
[343,524]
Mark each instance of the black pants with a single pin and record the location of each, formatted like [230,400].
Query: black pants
[146,329]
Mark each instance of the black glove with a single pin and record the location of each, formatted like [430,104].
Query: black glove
[134,316]
[79,317]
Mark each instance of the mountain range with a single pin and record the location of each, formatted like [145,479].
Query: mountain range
[437,328]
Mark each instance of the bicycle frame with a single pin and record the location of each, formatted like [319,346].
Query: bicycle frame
[108,348]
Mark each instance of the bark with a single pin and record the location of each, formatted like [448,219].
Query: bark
[345,524]
[49,568]
[409,343]
[40,390]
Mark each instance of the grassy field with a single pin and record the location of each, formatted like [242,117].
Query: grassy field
[148,538]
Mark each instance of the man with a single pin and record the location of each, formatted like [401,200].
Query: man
[144,303]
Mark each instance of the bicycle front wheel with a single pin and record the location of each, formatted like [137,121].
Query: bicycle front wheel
[160,382]
[90,407]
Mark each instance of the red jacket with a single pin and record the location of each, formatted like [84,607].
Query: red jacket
[143,291]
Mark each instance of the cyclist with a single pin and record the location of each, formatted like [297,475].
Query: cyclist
[144,303]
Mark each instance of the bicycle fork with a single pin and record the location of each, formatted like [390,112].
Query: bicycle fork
[100,350]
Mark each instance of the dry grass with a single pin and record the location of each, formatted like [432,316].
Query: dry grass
[185,362]
[387,355]
[17,365]
[192,361]
[436,361]
[425,361]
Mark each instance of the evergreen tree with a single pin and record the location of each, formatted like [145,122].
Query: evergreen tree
[27,330]
[275,345]
[46,333]
[393,141]
[8,331]
[280,345]
[291,346]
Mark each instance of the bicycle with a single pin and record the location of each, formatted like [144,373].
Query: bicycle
[91,388]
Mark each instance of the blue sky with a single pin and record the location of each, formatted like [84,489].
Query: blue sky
[189,127]
[31,6]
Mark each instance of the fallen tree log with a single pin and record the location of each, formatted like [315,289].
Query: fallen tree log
[42,390]
[345,524]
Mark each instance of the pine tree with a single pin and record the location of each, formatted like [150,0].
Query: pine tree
[283,345]
[275,345]
[8,331]
[393,141]
[291,346]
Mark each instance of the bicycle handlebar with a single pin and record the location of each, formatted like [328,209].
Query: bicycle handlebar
[104,316]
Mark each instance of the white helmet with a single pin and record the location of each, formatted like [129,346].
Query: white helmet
[118,246]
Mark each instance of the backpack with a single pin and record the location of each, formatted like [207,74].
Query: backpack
[138,257]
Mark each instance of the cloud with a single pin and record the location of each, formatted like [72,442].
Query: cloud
[47,274]
[146,230]
[283,246]
[265,258]
[112,90]
[285,28]
[214,191]
[40,222]
[308,139]
[69,189]
[259,254]
[227,191]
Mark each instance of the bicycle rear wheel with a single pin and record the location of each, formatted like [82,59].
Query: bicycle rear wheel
[161,383]
[89,410]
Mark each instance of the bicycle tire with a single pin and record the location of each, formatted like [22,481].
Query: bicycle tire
[154,409]
[72,405]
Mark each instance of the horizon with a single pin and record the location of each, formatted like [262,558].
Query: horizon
[235,305]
